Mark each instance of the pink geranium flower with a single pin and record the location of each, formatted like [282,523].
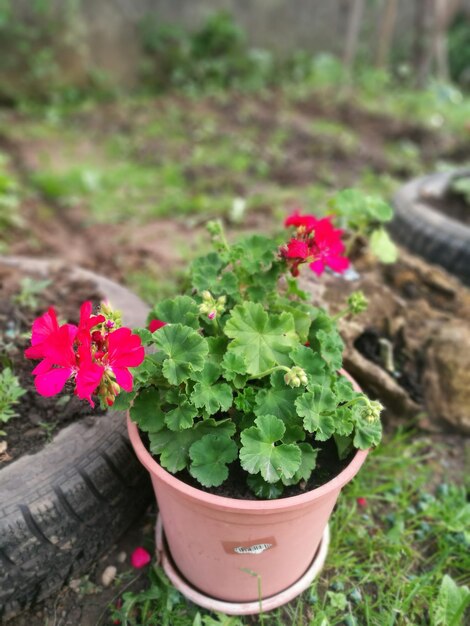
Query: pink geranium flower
[140,558]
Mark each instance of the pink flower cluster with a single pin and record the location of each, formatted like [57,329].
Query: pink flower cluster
[95,355]
[316,242]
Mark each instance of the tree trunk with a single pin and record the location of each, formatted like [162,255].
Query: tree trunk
[354,29]
[386,30]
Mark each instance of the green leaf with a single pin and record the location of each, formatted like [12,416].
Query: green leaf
[217,348]
[228,284]
[378,209]
[144,334]
[294,432]
[146,411]
[123,401]
[382,246]
[260,340]
[450,604]
[343,445]
[262,489]
[245,400]
[234,370]
[255,253]
[359,209]
[233,365]
[300,311]
[181,417]
[307,464]
[259,454]
[343,419]
[212,398]
[331,348]
[185,351]
[293,289]
[173,447]
[208,393]
[209,457]
[205,272]
[344,389]
[366,434]
[278,399]
[313,406]
[311,362]
[178,310]
[148,369]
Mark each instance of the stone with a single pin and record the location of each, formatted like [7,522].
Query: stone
[108,575]
[447,375]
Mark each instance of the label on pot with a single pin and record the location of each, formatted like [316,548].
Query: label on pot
[253,547]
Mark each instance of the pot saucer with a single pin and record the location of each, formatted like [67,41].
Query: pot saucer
[238,608]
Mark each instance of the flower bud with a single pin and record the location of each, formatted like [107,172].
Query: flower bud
[375,408]
[204,308]
[206,295]
[212,314]
[295,377]
[222,300]
[357,302]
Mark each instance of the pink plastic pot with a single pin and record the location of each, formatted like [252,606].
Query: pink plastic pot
[214,540]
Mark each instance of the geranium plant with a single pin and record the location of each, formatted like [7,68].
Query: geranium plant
[241,370]
[244,370]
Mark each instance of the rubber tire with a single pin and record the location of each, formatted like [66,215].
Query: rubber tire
[427,232]
[62,507]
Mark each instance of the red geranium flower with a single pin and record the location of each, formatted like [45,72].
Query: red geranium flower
[61,362]
[92,354]
[140,558]
[296,249]
[124,350]
[305,222]
[328,248]
[155,325]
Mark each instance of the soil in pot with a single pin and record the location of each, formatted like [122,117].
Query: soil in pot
[39,418]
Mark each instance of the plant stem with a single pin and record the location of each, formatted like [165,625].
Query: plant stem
[270,371]
[341,314]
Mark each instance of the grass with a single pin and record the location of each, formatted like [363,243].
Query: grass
[387,559]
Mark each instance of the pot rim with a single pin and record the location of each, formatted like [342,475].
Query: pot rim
[235,504]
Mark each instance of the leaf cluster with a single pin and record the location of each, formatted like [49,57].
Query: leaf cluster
[364,216]
[257,385]
[10,393]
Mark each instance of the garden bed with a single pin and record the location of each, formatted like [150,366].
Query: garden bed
[38,418]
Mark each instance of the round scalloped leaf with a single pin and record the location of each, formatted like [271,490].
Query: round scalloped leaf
[260,454]
[209,458]
[185,351]
[260,340]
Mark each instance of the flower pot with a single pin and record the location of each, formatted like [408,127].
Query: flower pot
[223,548]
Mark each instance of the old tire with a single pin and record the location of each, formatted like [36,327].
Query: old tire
[427,232]
[63,506]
